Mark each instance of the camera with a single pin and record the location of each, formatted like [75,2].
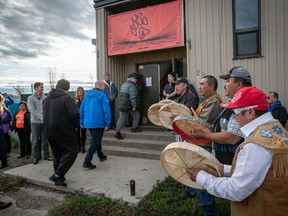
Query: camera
[4,94]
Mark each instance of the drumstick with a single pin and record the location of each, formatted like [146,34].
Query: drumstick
[193,111]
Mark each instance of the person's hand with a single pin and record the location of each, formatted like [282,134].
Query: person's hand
[193,172]
[199,134]
[134,109]
[111,98]
[106,128]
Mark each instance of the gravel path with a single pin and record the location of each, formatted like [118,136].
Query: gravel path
[30,200]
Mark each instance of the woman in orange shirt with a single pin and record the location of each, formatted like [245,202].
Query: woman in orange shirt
[22,125]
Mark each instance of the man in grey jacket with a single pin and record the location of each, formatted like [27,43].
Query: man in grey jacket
[128,103]
[38,137]
[112,92]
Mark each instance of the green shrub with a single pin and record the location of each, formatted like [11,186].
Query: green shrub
[167,198]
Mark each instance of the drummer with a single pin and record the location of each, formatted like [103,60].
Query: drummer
[208,110]
[227,134]
[259,173]
[187,97]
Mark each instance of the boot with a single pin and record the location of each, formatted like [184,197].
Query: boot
[133,130]
[118,136]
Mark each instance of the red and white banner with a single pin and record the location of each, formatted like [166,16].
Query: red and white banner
[151,28]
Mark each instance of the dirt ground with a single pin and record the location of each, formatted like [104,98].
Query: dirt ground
[30,200]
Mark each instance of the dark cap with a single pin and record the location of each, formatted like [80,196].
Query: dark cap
[181,80]
[134,75]
[63,84]
[237,72]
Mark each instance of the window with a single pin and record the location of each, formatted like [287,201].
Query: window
[246,28]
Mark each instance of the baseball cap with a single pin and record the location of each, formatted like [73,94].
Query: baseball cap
[248,97]
[134,75]
[237,72]
[181,80]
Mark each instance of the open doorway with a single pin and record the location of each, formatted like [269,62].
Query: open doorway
[152,78]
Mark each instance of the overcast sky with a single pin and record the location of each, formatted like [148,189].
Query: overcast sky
[38,35]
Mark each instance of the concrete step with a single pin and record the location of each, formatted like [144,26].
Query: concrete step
[136,143]
[147,144]
[132,152]
[144,135]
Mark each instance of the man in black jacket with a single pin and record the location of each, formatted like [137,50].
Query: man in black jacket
[61,118]
[275,107]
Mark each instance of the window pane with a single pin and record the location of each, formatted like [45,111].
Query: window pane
[246,14]
[247,44]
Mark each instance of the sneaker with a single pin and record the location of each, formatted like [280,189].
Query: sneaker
[118,136]
[58,180]
[48,158]
[35,161]
[89,165]
[103,158]
[133,130]
[21,156]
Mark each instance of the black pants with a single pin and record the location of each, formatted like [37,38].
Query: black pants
[8,142]
[81,136]
[224,157]
[3,150]
[64,155]
[25,144]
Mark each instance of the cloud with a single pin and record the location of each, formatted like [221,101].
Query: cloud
[28,27]
[36,35]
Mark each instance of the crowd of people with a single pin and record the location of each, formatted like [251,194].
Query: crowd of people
[248,139]
[243,138]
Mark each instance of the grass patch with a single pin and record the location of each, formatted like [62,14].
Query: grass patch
[85,205]
[15,143]
[10,183]
[167,198]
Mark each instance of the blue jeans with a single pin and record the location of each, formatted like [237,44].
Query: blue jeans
[95,145]
[112,109]
[207,201]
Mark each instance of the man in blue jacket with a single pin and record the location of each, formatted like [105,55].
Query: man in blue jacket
[95,115]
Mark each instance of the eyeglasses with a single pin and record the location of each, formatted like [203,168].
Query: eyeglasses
[242,109]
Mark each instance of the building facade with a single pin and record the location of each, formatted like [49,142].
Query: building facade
[217,35]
